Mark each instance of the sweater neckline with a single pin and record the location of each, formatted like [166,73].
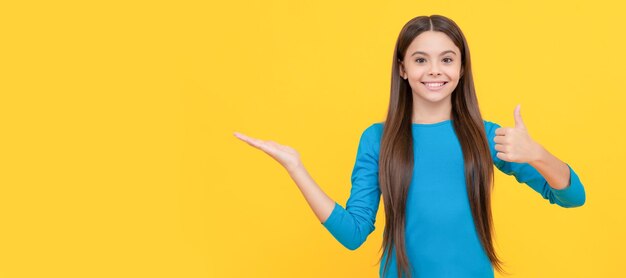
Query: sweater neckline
[444,122]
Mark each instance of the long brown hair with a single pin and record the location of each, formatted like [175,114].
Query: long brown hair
[396,149]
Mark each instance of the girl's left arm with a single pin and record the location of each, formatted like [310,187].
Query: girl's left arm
[518,154]
[515,145]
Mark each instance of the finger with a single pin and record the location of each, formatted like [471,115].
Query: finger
[518,117]
[251,141]
[501,131]
[501,148]
[502,156]
[278,146]
[243,137]
[240,136]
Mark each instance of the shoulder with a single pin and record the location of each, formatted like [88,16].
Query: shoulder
[490,126]
[372,134]
[376,127]
[374,131]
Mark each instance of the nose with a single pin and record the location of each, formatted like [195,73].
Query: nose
[434,72]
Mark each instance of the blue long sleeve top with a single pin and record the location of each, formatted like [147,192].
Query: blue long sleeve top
[441,240]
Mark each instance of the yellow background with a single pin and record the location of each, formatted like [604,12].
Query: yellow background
[118,157]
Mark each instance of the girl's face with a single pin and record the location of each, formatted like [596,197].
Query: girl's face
[431,59]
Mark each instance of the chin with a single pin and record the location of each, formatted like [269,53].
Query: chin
[434,96]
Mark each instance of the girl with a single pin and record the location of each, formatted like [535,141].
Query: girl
[431,160]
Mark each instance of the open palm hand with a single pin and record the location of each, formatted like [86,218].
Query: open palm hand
[285,155]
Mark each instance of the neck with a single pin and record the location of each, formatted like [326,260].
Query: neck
[428,112]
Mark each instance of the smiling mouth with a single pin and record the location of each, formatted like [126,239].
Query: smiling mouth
[434,84]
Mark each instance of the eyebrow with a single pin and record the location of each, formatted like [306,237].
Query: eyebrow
[424,53]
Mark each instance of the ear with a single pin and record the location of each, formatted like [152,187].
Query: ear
[401,68]
[461,74]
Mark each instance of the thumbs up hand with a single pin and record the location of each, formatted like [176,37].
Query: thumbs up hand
[514,143]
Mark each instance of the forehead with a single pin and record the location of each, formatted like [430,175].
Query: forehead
[432,42]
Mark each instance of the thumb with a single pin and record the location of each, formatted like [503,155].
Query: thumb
[519,123]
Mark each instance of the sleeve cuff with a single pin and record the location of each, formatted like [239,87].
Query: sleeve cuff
[333,216]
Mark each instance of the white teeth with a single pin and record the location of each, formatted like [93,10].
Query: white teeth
[434,84]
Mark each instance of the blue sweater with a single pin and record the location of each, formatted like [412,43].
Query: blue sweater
[441,240]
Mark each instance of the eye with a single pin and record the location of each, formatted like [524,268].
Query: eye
[420,59]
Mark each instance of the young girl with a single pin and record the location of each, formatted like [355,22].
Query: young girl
[431,160]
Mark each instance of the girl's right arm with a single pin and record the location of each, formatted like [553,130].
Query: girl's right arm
[350,225]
